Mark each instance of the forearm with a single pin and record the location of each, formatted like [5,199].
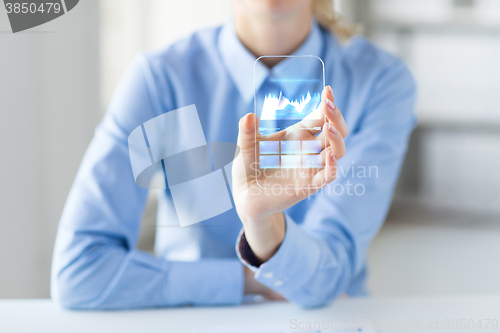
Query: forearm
[104,275]
[265,235]
[307,270]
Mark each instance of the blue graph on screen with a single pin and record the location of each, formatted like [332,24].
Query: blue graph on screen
[280,107]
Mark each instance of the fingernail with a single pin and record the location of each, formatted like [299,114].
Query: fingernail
[330,89]
[332,128]
[330,104]
[249,119]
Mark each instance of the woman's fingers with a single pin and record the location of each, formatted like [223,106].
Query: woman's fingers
[329,172]
[334,137]
[312,123]
[323,137]
[309,127]
[305,129]
[331,137]
[332,112]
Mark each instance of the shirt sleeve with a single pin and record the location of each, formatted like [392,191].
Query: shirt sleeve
[96,264]
[323,255]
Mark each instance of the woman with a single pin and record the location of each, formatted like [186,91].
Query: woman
[306,251]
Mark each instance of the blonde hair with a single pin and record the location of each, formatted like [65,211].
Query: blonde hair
[329,19]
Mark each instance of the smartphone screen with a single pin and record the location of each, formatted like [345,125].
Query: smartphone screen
[288,152]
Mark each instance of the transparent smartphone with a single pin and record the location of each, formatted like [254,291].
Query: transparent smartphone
[288,150]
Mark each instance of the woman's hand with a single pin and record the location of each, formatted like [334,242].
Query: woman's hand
[260,209]
[253,287]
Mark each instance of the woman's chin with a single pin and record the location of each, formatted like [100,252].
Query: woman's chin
[275,7]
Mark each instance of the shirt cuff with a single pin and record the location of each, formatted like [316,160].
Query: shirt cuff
[205,282]
[294,263]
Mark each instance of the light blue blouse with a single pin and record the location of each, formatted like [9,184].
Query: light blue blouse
[96,263]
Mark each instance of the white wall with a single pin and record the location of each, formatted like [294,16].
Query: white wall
[444,234]
[133,26]
[453,51]
[49,105]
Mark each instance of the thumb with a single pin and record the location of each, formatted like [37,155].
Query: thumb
[247,133]
[245,160]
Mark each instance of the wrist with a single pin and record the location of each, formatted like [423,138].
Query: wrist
[264,236]
[263,220]
[252,287]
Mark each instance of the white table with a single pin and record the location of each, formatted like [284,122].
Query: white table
[44,316]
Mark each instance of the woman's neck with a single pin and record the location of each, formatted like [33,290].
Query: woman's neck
[272,35]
